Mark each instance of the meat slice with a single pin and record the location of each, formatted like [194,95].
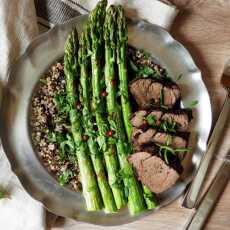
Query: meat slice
[171,95]
[156,113]
[181,119]
[136,160]
[142,139]
[135,134]
[167,139]
[156,174]
[147,93]
[146,137]
[138,118]
[154,93]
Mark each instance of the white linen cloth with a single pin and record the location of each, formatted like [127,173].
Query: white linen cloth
[18,26]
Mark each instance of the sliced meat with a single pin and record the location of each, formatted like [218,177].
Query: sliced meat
[156,174]
[138,118]
[171,95]
[147,93]
[151,136]
[136,132]
[167,139]
[154,93]
[136,160]
[146,137]
[181,119]
[156,113]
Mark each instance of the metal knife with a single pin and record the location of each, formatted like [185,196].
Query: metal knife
[216,188]
[193,192]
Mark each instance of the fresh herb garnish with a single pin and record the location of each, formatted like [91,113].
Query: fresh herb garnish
[133,66]
[65,177]
[165,150]
[193,104]
[145,71]
[179,77]
[145,54]
[42,80]
[167,126]
[62,104]
[151,119]
[67,147]
[161,98]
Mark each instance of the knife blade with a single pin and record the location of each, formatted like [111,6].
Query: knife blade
[210,199]
[191,197]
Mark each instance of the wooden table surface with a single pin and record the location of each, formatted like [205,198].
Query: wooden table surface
[203,26]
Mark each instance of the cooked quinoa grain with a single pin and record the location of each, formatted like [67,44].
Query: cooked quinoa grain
[50,128]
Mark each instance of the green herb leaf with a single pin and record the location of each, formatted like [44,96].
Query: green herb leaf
[65,177]
[182,150]
[166,126]
[145,71]
[133,66]
[165,150]
[151,119]
[179,77]
[42,80]
[193,104]
[101,142]
[145,54]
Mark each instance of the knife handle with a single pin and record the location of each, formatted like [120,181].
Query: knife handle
[192,194]
[211,197]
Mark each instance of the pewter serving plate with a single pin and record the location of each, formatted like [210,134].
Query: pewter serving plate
[15,133]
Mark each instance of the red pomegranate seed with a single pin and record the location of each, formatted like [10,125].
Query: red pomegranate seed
[104,93]
[158,122]
[114,82]
[109,133]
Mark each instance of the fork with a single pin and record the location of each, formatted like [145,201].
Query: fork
[191,197]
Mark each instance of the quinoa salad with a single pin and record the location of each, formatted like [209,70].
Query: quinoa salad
[50,128]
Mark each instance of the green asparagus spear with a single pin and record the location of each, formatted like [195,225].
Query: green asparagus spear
[122,38]
[90,189]
[96,155]
[122,70]
[95,49]
[136,201]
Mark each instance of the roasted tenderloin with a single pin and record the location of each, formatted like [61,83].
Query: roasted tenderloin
[137,158]
[140,139]
[180,117]
[148,93]
[153,172]
[167,139]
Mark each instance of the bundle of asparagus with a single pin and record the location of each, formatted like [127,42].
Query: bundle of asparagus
[107,178]
[87,175]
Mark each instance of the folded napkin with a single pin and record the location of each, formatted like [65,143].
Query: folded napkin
[18,25]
